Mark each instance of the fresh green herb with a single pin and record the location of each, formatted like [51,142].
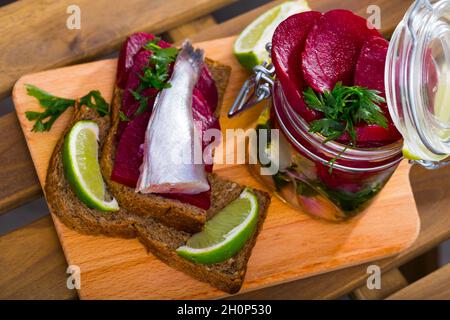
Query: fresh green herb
[280,180]
[305,189]
[143,101]
[343,108]
[331,129]
[55,106]
[156,73]
[333,161]
[352,202]
[123,116]
[95,101]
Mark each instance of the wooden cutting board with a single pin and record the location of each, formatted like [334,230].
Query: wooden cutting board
[291,245]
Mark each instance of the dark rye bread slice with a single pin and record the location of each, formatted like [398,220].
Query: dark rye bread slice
[171,212]
[160,239]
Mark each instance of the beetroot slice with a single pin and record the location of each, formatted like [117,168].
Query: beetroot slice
[370,74]
[372,136]
[207,86]
[130,48]
[129,153]
[288,43]
[129,104]
[204,115]
[370,67]
[201,200]
[332,49]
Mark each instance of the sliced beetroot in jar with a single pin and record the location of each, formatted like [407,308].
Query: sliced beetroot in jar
[370,74]
[129,152]
[372,136]
[332,49]
[370,67]
[288,43]
[341,180]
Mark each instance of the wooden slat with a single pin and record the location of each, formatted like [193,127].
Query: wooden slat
[421,266]
[235,25]
[18,180]
[392,12]
[391,282]
[185,31]
[435,286]
[35,33]
[37,270]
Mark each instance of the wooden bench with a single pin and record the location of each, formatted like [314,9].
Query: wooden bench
[32,264]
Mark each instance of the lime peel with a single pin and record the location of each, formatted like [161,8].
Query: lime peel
[420,152]
[80,158]
[249,47]
[227,245]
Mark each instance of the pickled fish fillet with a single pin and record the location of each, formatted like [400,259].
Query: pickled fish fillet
[172,136]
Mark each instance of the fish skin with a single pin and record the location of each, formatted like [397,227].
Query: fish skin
[171,137]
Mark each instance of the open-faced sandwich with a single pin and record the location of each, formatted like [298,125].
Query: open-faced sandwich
[123,172]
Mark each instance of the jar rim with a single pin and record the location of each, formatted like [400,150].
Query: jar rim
[334,149]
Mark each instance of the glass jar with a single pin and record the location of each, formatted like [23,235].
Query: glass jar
[417,80]
[327,180]
[334,181]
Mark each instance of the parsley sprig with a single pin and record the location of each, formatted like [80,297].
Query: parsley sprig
[343,108]
[55,106]
[156,73]
[95,101]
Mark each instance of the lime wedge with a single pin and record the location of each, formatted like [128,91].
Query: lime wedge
[417,151]
[82,169]
[249,47]
[409,155]
[226,233]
